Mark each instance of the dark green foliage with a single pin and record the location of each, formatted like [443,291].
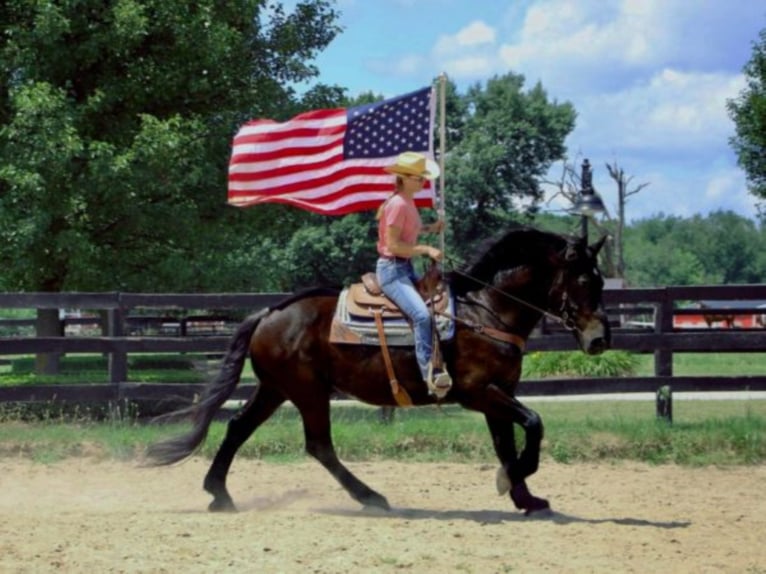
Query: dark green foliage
[117,119]
[577,364]
[749,114]
[505,140]
[720,248]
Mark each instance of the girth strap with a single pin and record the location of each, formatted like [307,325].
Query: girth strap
[496,334]
[400,394]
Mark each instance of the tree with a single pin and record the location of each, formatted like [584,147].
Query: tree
[570,186]
[749,114]
[720,248]
[116,125]
[623,192]
[499,148]
[117,122]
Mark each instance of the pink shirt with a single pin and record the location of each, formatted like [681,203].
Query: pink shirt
[401,213]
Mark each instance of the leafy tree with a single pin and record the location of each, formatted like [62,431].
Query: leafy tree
[498,150]
[117,119]
[653,264]
[749,114]
[720,248]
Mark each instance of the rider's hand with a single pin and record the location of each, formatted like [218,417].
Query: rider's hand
[435,254]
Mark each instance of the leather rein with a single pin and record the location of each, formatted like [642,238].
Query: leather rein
[564,318]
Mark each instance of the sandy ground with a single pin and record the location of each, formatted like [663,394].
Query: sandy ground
[83,515]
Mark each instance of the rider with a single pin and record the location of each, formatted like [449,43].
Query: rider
[399,226]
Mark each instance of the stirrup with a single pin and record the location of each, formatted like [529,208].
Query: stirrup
[439,383]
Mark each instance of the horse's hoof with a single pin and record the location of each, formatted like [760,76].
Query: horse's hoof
[376,501]
[524,500]
[538,507]
[222,505]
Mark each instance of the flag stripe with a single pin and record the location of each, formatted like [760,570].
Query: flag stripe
[365,198]
[330,161]
[318,186]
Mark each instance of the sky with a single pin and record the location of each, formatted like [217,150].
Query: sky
[649,80]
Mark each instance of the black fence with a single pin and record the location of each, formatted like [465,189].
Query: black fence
[662,321]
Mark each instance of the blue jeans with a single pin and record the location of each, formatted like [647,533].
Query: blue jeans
[397,280]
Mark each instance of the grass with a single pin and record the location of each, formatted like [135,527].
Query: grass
[93,369]
[707,364]
[704,433]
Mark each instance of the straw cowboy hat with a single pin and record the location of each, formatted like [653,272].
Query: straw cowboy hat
[413,163]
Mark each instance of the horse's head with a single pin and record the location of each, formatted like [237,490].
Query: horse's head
[575,295]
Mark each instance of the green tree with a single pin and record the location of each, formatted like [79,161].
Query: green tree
[749,114]
[720,248]
[499,148]
[116,124]
[117,119]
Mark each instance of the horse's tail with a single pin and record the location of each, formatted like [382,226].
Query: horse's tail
[215,394]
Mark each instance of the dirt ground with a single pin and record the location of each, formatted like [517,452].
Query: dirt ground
[83,515]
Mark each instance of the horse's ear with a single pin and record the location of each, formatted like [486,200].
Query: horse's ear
[596,247]
[566,255]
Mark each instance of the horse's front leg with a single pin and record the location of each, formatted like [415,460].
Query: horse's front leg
[502,413]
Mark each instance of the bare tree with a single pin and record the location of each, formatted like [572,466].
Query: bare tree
[623,192]
[569,186]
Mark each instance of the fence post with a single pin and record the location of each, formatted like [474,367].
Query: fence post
[665,403]
[118,358]
[663,323]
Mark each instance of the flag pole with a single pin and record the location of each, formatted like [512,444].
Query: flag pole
[442,147]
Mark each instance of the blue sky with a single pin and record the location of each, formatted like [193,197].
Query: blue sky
[648,78]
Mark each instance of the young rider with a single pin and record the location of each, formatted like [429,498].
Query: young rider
[399,227]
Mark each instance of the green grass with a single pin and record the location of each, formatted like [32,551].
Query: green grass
[703,433]
[92,369]
[706,364]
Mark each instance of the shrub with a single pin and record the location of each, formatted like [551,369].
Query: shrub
[540,365]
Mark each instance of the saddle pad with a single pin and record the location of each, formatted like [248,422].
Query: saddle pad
[361,329]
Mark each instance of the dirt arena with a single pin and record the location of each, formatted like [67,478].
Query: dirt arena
[83,515]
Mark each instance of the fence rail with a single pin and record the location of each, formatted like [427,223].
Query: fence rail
[645,321]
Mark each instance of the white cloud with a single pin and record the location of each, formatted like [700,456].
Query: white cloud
[683,111]
[576,46]
[477,33]
[649,80]
[469,67]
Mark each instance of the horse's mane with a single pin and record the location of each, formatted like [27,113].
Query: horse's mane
[520,245]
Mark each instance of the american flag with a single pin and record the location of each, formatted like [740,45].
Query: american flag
[331,161]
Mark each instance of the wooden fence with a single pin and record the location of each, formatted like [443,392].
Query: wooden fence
[644,322]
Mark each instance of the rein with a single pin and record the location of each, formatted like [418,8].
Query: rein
[563,319]
[491,332]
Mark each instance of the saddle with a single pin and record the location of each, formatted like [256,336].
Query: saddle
[362,305]
[365,298]
[365,316]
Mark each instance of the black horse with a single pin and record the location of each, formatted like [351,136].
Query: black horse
[500,297]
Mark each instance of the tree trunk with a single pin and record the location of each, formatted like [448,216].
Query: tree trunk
[48,325]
